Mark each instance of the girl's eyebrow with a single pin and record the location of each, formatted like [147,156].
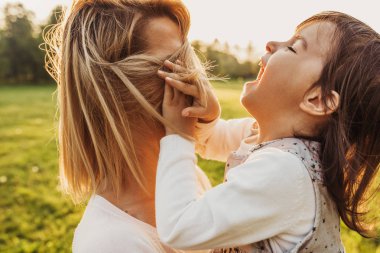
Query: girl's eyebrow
[304,42]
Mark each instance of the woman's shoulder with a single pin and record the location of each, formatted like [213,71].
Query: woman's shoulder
[111,240]
[104,228]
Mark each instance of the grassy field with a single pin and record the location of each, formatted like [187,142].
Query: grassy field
[34,216]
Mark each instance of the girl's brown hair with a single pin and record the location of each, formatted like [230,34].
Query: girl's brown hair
[109,93]
[351,138]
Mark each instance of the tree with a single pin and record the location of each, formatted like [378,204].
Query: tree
[4,66]
[250,51]
[21,59]
[226,47]
[224,62]
[17,44]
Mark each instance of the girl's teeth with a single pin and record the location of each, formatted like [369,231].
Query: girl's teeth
[260,73]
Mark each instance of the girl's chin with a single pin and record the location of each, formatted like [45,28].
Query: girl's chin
[252,83]
[249,87]
[245,101]
[246,96]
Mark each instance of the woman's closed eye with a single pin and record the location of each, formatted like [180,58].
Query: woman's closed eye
[292,49]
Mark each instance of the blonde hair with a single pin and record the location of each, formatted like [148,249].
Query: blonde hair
[108,89]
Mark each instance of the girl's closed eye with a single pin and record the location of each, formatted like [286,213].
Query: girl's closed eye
[292,49]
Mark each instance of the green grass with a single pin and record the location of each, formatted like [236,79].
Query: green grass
[34,215]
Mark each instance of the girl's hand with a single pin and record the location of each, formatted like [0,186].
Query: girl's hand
[196,110]
[172,106]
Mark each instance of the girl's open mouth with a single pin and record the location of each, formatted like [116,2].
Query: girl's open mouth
[262,69]
[259,75]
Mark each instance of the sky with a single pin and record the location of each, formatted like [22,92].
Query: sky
[239,22]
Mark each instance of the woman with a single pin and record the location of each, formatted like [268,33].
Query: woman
[105,56]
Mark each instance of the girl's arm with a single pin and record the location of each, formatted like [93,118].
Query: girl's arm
[256,202]
[216,140]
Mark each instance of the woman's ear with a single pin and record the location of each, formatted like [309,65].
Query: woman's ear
[312,103]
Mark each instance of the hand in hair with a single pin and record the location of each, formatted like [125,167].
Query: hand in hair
[204,114]
[173,104]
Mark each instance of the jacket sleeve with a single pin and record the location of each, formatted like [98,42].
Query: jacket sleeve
[216,140]
[256,203]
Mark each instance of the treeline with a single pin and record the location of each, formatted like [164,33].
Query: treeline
[225,60]
[22,59]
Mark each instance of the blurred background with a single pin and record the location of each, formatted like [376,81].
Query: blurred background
[34,215]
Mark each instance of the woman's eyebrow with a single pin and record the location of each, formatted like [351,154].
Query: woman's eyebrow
[304,42]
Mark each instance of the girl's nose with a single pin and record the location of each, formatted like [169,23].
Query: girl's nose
[271,46]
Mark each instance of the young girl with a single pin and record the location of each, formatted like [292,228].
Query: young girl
[309,159]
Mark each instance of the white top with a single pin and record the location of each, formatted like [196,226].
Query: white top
[106,228]
[270,195]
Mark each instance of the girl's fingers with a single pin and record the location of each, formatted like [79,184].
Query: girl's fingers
[174,67]
[180,100]
[186,88]
[163,75]
[168,94]
[176,96]
[194,112]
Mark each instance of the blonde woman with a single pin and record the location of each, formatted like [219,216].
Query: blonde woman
[105,56]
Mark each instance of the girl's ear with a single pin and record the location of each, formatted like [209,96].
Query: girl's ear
[312,103]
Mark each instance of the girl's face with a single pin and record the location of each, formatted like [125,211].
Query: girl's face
[288,69]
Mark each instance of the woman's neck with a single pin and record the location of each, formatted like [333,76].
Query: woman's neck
[135,204]
[133,199]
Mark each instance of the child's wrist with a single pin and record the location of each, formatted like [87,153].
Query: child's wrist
[207,120]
